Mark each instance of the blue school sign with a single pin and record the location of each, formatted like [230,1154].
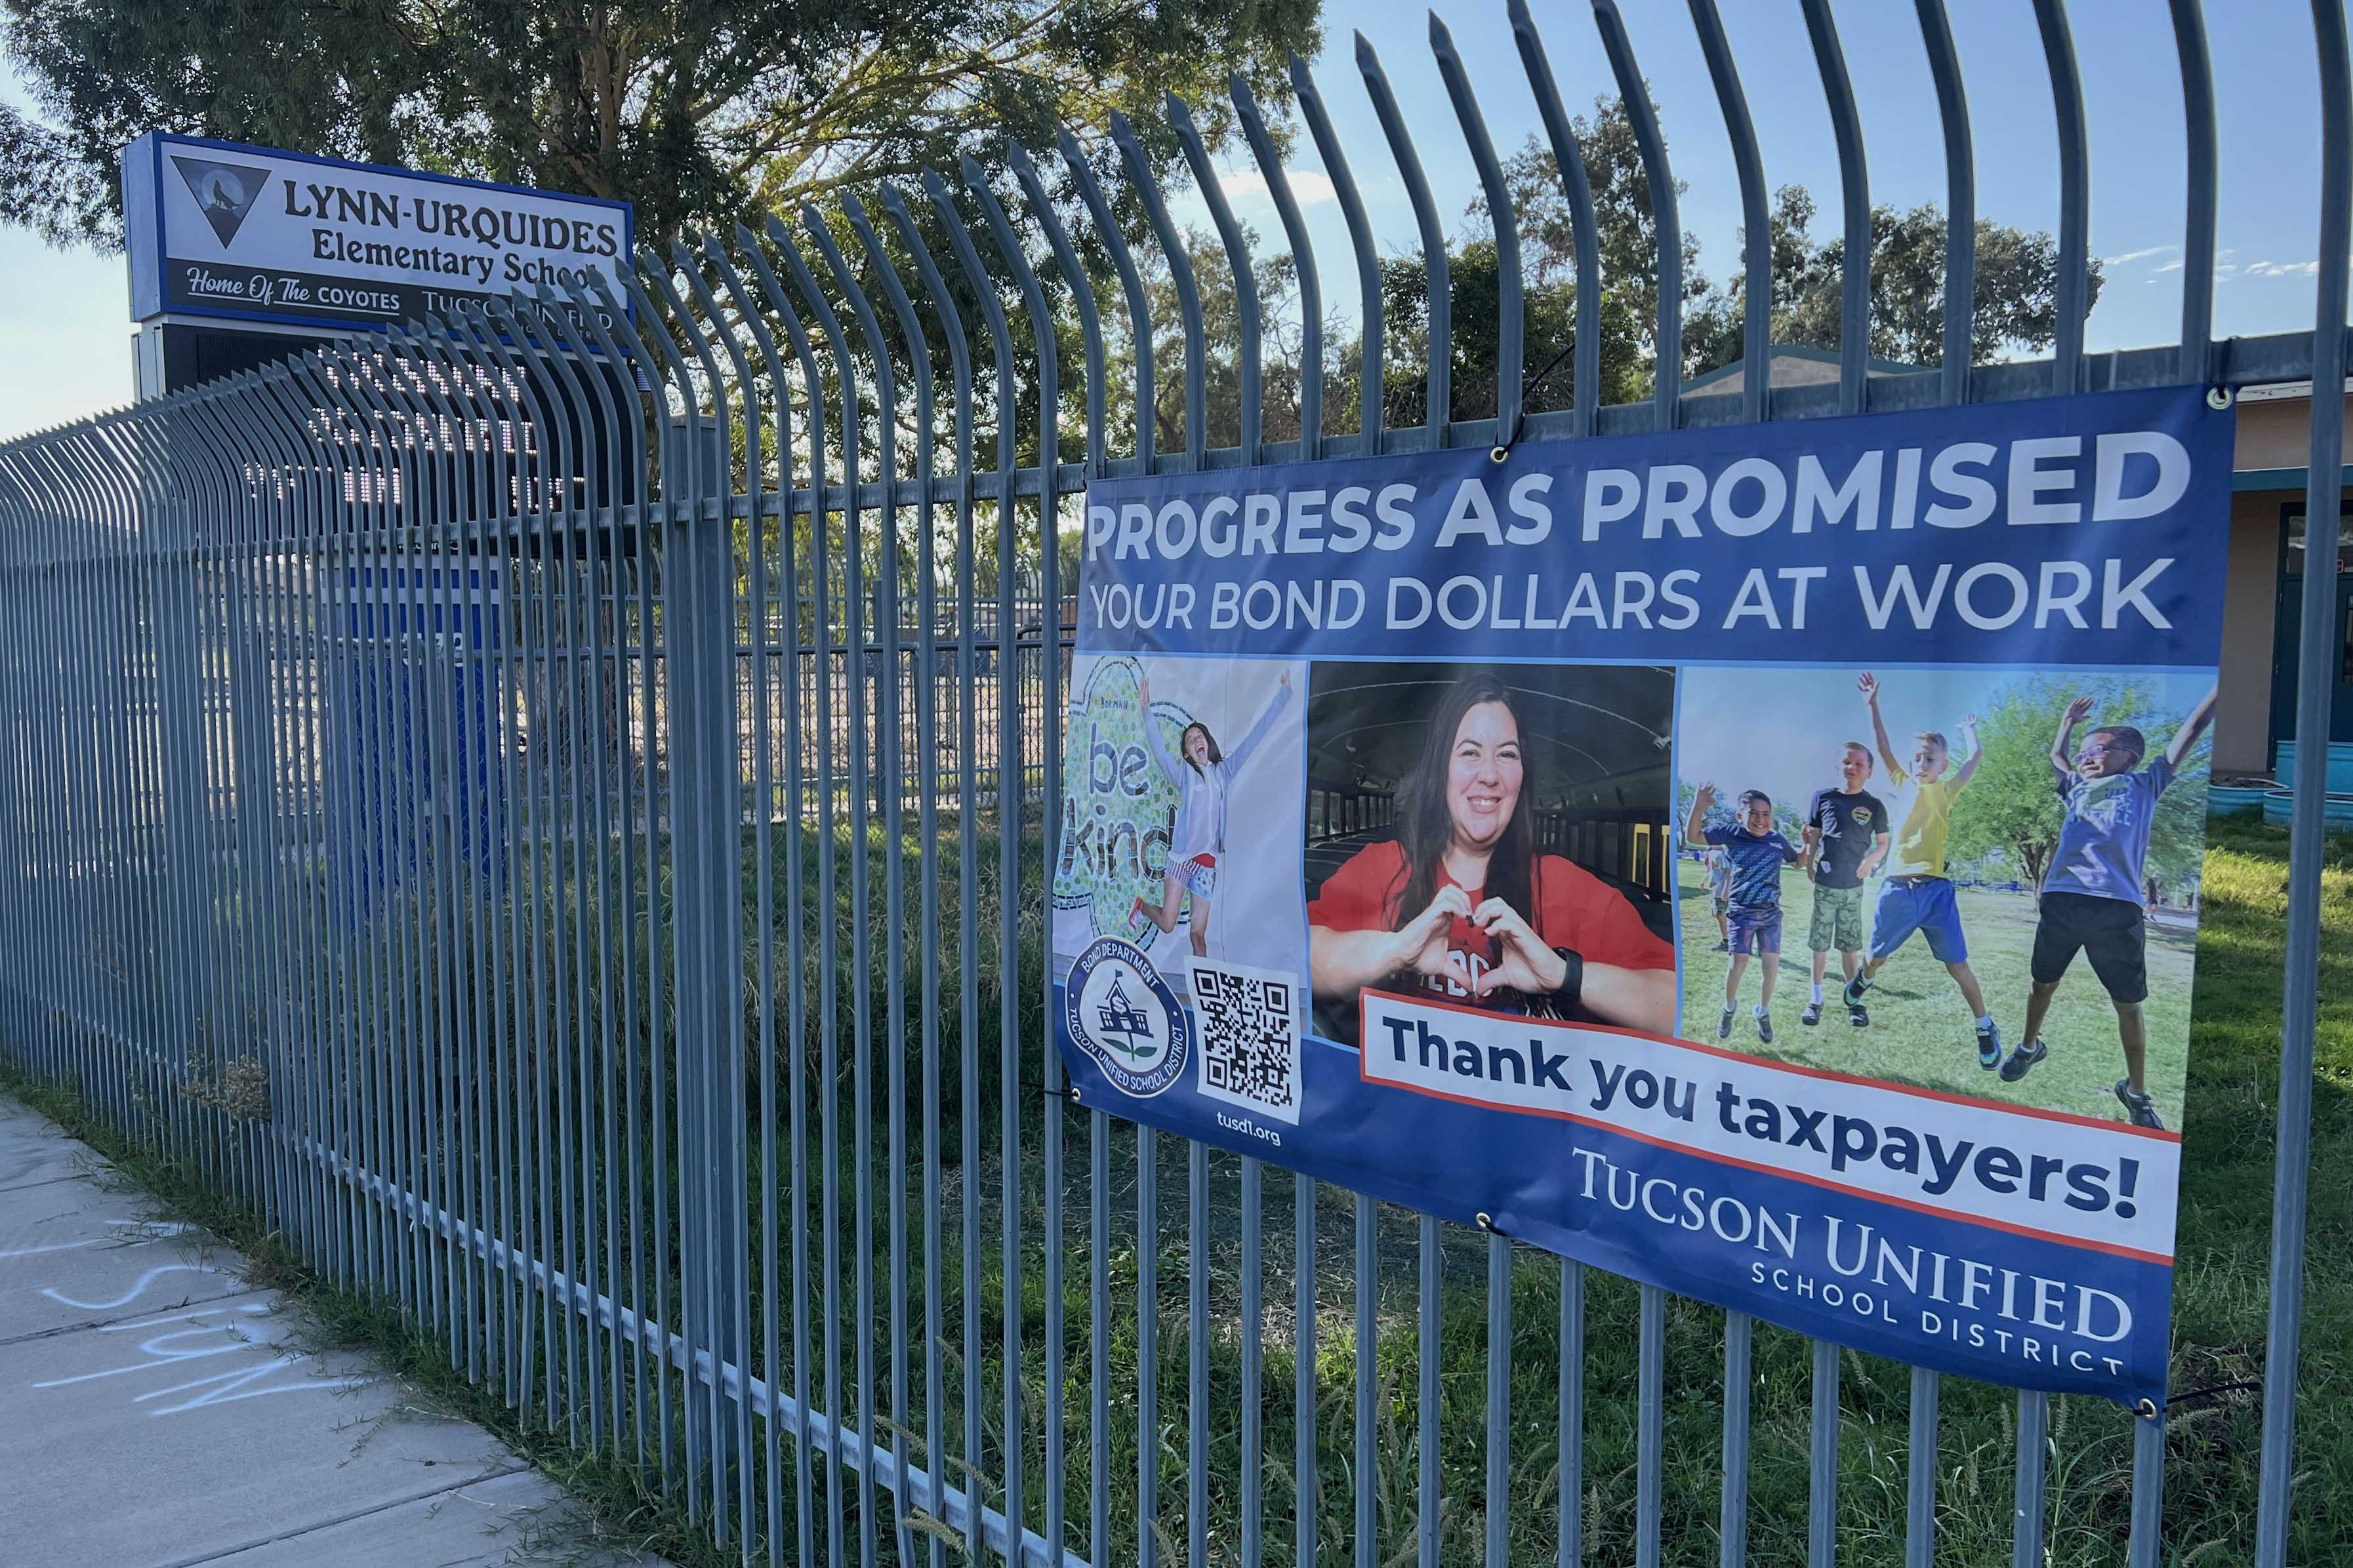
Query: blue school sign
[1482,1007]
[259,234]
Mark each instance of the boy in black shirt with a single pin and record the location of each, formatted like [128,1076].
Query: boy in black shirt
[1846,830]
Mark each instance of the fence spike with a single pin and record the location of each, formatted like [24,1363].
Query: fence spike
[1439,362]
[1511,308]
[1370,392]
[1189,293]
[2073,301]
[1665,216]
[1568,161]
[1961,201]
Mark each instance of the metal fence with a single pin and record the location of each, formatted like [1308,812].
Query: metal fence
[527,803]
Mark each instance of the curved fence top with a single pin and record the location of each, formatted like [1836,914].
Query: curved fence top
[712,326]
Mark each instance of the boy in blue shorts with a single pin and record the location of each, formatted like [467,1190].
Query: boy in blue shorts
[1755,851]
[2093,896]
[1917,894]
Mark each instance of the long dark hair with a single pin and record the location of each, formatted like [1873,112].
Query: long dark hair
[1425,828]
[1186,734]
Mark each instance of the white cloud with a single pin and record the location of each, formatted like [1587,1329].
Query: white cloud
[2226,272]
[2141,255]
[1311,188]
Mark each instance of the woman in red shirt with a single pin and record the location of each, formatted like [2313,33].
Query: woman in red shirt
[1461,903]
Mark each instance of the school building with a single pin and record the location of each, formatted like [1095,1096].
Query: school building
[2262,614]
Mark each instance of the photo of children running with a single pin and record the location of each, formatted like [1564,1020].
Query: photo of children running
[1846,833]
[1755,851]
[2096,895]
[1960,878]
[1917,894]
[1203,777]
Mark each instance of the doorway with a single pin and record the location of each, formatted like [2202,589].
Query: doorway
[2288,627]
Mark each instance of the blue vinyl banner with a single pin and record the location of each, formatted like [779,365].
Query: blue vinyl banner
[1762,861]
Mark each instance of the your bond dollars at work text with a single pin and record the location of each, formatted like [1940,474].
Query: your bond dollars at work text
[2034,529]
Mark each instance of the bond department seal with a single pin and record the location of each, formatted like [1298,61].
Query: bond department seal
[1120,1011]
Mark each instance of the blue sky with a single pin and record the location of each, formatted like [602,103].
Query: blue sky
[63,317]
[1782,731]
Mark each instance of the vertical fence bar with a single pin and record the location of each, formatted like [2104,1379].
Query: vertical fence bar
[1651,1376]
[967,812]
[1438,292]
[1009,864]
[1074,277]
[1755,389]
[798,827]
[1958,362]
[1854,205]
[690,641]
[1050,639]
[1197,1368]
[2073,305]
[919,353]
[859,745]
[1854,356]
[1511,323]
[1569,163]
[1667,334]
[2317,655]
[1304,1390]
[1248,325]
[2073,301]
[1363,1345]
[1960,200]
[2198,216]
[1147,1188]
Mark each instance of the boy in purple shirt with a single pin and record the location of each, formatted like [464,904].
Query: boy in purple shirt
[2092,896]
[1755,852]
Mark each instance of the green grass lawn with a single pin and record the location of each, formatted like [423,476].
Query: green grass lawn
[2212,1429]
[1920,1031]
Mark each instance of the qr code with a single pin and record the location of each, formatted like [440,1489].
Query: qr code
[1249,1036]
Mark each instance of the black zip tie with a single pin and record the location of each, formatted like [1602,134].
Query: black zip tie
[2210,1393]
[1519,420]
[1070,1094]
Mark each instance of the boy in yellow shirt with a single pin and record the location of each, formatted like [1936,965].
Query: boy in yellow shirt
[1917,894]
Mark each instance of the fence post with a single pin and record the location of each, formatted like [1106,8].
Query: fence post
[2307,852]
[175,533]
[703,811]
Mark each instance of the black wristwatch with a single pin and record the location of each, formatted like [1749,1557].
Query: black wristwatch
[1572,979]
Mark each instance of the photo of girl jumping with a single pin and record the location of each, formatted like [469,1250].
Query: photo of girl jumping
[1203,777]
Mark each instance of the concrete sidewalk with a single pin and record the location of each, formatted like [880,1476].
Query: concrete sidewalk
[157,1412]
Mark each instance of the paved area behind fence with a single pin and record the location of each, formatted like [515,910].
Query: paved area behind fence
[156,1411]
